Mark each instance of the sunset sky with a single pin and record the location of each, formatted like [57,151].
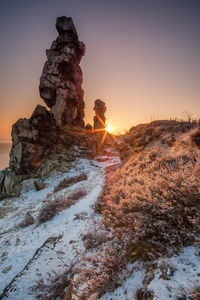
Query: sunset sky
[142,57]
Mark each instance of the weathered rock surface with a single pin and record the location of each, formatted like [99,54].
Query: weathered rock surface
[61,80]
[27,185]
[46,141]
[2,175]
[35,139]
[99,118]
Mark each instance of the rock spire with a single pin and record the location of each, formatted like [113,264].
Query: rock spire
[61,79]
[99,118]
[34,139]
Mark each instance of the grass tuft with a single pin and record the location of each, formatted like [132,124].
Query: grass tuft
[53,207]
[65,183]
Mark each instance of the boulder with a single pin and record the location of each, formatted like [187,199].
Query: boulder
[39,184]
[32,140]
[88,127]
[9,181]
[28,185]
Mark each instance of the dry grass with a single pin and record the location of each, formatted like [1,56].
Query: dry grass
[98,272]
[28,220]
[195,294]
[53,207]
[153,201]
[164,131]
[196,137]
[69,181]
[143,294]
[93,239]
[54,286]
[150,208]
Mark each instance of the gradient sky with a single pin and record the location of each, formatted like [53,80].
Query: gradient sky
[142,57]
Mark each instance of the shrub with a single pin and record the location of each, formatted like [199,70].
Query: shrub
[143,294]
[53,207]
[195,138]
[29,220]
[195,294]
[150,208]
[98,272]
[55,286]
[93,239]
[69,181]
[153,201]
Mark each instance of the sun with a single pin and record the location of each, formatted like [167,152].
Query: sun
[109,128]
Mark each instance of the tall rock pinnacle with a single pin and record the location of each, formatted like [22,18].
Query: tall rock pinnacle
[99,118]
[61,79]
[35,139]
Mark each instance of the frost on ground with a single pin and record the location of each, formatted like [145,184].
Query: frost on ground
[79,236]
[170,278]
[30,253]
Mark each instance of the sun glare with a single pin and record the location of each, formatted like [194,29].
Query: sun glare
[109,128]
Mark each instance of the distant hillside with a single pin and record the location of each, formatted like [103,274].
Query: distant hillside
[5,147]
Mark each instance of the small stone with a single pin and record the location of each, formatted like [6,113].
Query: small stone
[88,127]
[6,269]
[9,181]
[40,184]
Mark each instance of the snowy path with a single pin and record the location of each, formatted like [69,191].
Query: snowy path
[30,253]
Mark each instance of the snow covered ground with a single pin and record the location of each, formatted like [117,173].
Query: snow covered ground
[30,253]
[172,278]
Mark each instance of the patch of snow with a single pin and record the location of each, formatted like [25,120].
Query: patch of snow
[30,253]
[180,282]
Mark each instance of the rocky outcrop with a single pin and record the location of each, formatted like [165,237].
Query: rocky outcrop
[48,140]
[32,140]
[35,139]
[61,80]
[99,118]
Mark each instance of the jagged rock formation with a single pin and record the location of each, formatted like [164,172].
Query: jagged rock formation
[61,80]
[32,140]
[99,118]
[46,140]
